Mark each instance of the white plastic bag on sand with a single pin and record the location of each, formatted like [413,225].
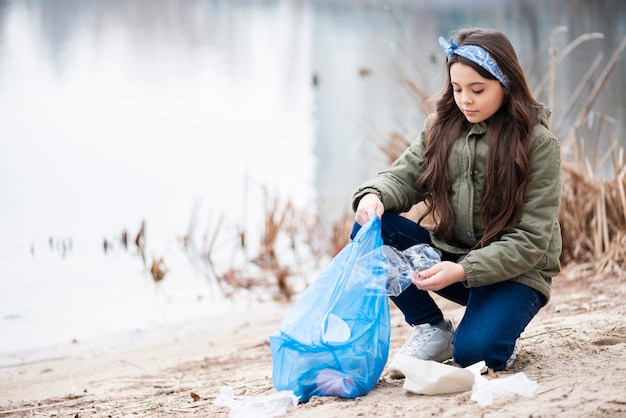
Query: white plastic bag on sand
[426,377]
[267,406]
[484,389]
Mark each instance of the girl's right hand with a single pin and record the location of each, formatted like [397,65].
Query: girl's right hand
[369,205]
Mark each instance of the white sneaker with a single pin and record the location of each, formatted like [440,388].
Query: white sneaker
[425,342]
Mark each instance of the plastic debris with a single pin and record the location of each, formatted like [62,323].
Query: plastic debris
[335,383]
[400,265]
[484,389]
[427,377]
[267,406]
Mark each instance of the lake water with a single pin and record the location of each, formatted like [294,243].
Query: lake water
[113,113]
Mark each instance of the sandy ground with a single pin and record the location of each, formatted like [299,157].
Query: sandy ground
[574,349]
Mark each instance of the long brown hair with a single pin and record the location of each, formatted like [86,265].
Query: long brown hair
[508,136]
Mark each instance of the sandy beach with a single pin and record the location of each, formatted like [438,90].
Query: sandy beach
[574,350]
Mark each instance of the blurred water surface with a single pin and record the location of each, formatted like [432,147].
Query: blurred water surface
[116,112]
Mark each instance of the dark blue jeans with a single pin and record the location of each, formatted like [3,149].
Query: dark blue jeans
[495,315]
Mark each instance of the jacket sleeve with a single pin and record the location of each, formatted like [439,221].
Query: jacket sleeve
[395,186]
[526,246]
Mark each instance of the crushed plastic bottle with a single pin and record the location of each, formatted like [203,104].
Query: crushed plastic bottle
[400,265]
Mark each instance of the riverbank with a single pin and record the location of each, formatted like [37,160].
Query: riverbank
[574,350]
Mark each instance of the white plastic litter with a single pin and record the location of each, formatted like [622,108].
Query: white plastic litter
[484,389]
[427,377]
[267,406]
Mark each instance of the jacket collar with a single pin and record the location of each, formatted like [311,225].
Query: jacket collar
[477,128]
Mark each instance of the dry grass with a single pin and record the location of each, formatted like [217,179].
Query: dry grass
[593,218]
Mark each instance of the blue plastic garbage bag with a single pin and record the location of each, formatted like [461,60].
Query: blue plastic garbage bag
[334,341]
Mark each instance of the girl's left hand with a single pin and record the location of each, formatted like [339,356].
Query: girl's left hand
[439,276]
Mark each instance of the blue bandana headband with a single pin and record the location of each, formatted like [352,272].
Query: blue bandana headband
[478,56]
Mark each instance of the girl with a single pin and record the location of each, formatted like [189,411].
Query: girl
[484,176]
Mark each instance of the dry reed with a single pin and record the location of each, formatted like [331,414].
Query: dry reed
[593,217]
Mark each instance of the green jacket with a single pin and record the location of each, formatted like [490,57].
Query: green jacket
[528,254]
